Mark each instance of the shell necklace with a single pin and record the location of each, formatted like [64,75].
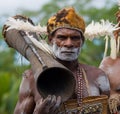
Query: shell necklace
[82,90]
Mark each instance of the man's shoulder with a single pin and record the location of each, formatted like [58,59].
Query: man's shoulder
[28,82]
[92,70]
[89,67]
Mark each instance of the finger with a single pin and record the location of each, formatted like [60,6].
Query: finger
[55,109]
[39,102]
[53,101]
[59,101]
[47,100]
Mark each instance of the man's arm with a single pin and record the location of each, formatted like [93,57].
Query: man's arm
[26,101]
[103,83]
[31,102]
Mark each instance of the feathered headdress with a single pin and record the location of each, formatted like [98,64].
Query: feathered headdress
[66,17]
[103,28]
[107,29]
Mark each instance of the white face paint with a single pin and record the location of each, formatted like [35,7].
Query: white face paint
[66,54]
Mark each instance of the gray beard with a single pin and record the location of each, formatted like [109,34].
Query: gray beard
[66,54]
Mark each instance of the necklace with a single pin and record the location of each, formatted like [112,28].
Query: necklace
[82,90]
[80,86]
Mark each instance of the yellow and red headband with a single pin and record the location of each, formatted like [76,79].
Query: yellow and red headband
[67,18]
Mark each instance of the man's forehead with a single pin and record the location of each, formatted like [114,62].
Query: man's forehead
[67,31]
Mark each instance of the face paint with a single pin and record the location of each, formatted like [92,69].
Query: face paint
[66,54]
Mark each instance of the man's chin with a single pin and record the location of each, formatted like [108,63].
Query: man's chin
[66,59]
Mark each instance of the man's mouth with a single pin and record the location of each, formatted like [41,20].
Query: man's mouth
[69,52]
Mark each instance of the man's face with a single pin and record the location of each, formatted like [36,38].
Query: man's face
[66,44]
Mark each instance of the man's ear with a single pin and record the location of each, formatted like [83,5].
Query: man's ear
[50,39]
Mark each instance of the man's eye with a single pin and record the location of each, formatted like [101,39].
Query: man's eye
[75,38]
[61,37]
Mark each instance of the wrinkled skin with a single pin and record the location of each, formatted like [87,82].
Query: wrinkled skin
[31,102]
[111,67]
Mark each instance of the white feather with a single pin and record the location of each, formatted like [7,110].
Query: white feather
[104,28]
[28,27]
[25,26]
[98,29]
[42,44]
[106,46]
[113,53]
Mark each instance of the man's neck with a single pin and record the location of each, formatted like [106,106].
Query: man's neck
[71,65]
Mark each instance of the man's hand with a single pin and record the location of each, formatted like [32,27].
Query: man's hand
[48,105]
[114,101]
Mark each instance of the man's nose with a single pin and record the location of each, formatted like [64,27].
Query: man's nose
[68,43]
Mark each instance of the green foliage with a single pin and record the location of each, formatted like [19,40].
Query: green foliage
[92,52]
[8,92]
